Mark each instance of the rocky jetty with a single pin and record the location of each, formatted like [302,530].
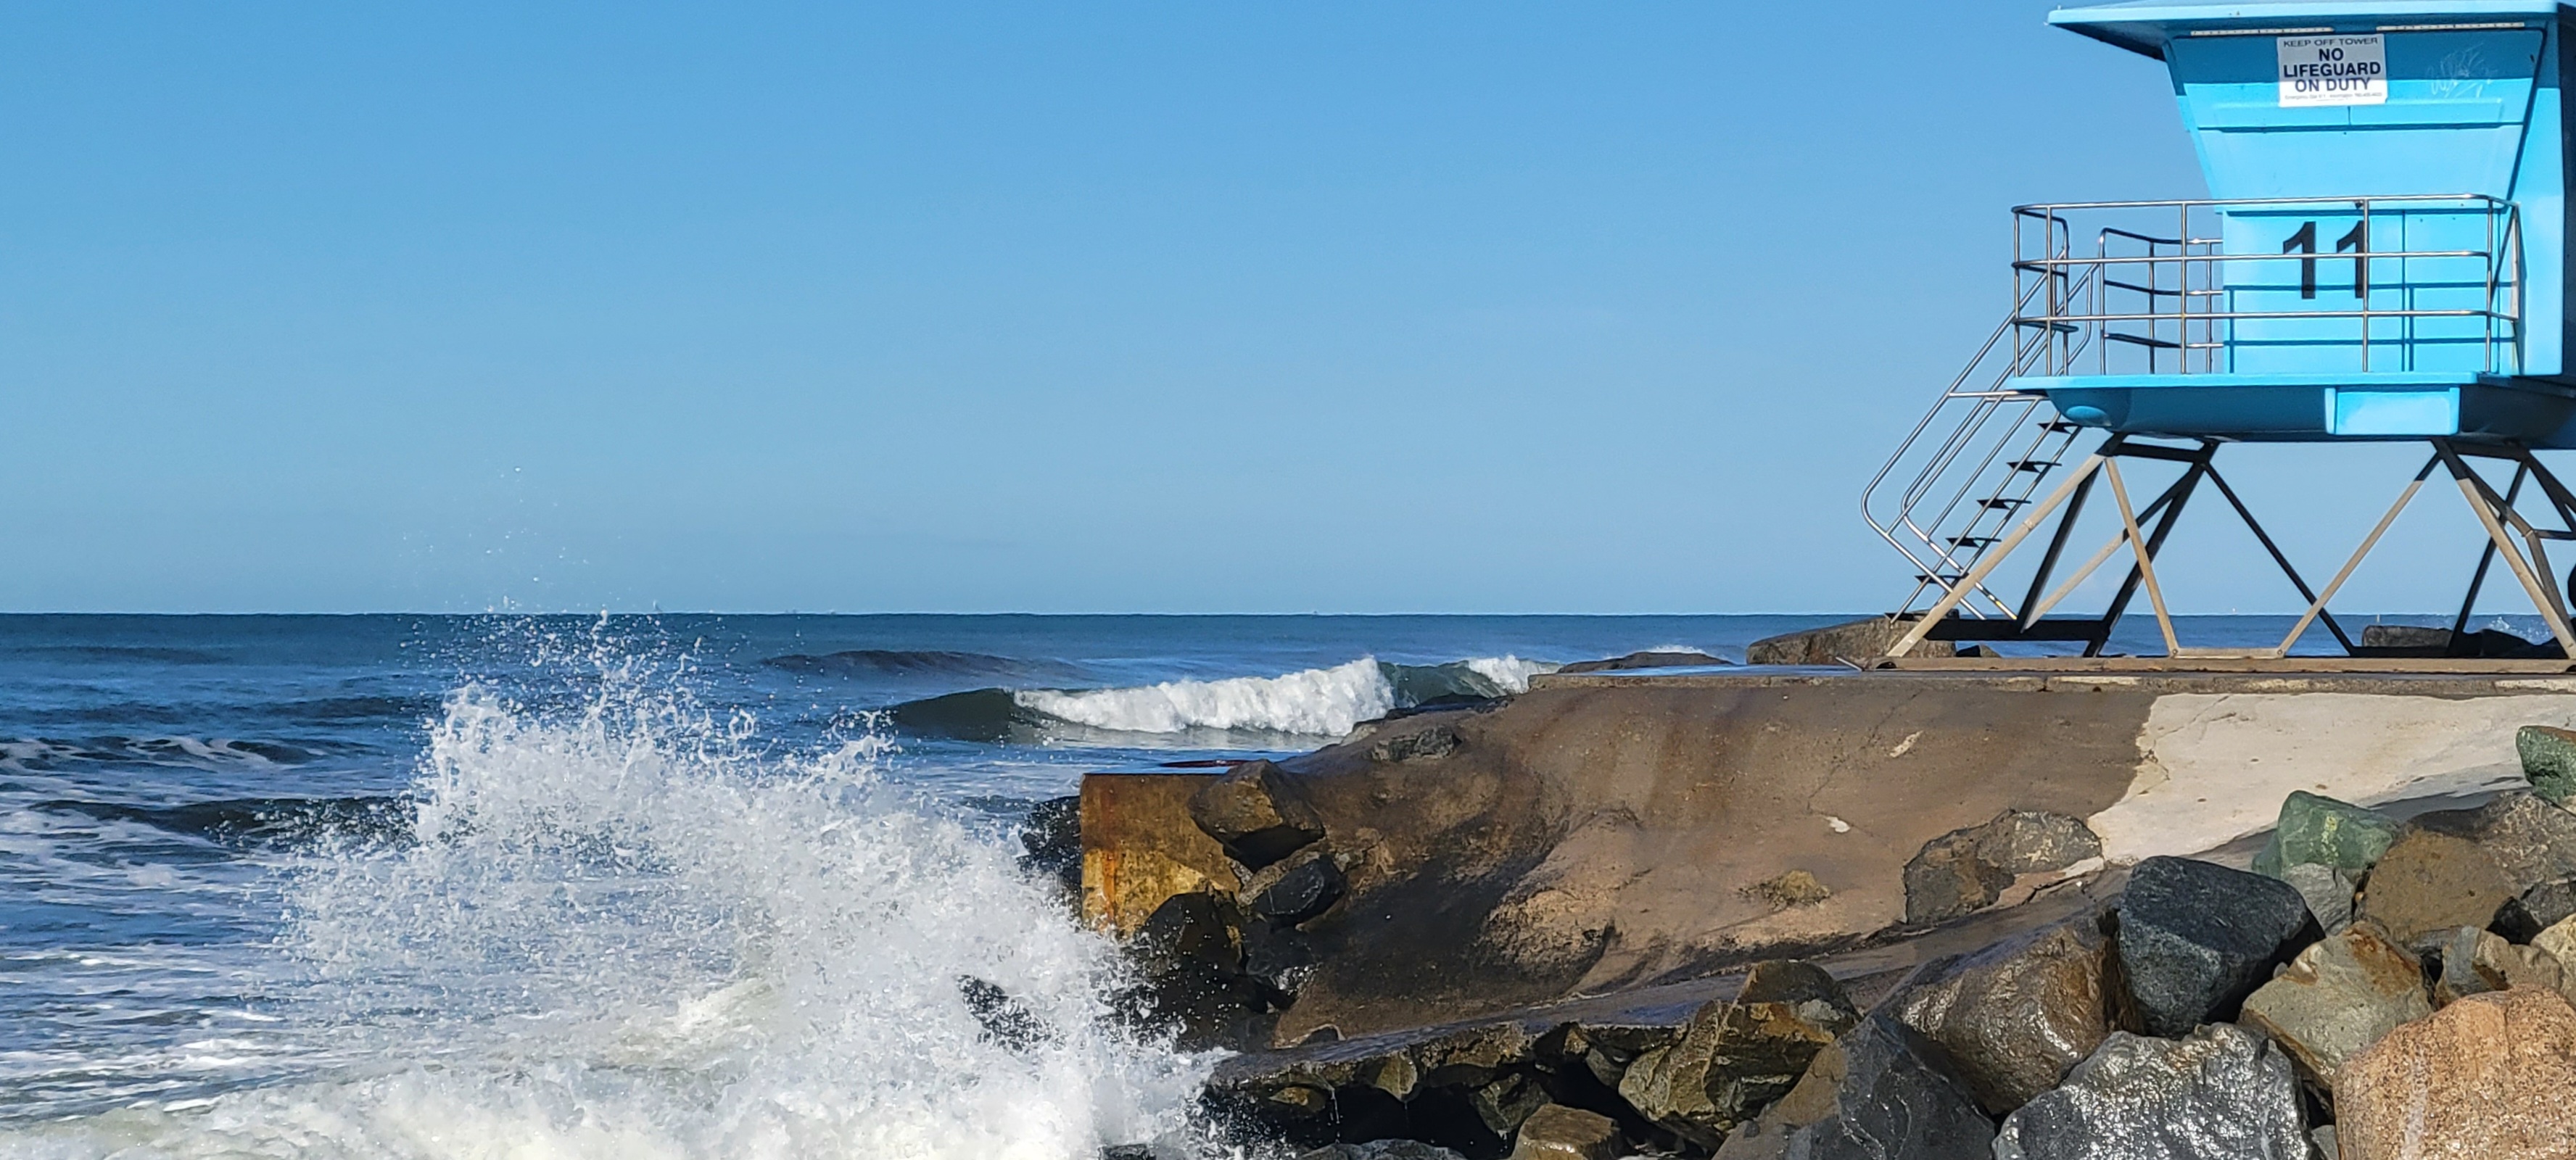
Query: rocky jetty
[1419,945]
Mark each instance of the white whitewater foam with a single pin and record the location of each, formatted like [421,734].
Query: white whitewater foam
[1316,702]
[628,933]
[1509,673]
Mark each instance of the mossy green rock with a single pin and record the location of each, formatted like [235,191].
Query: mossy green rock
[2549,760]
[2315,829]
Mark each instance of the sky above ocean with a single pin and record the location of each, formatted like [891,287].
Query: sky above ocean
[1118,307]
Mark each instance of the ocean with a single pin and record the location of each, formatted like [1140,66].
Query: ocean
[634,886]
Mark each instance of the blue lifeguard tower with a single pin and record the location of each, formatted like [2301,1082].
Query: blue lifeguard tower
[2383,256]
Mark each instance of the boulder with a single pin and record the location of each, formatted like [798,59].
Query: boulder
[2530,840]
[2216,1094]
[2540,906]
[2337,998]
[2031,841]
[1256,813]
[2430,882]
[1855,642]
[2196,938]
[2475,962]
[2317,830]
[2327,891]
[2485,1077]
[1503,1103]
[1736,1056]
[1966,870]
[1381,1150]
[1436,741]
[1892,1096]
[1295,888]
[1191,954]
[2548,760]
[2016,1016]
[1557,1132]
[1947,879]
[1650,659]
[2558,942]
[1277,957]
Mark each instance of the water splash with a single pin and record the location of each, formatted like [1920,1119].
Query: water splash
[628,929]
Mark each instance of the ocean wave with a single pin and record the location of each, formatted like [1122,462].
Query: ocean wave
[1325,702]
[875,662]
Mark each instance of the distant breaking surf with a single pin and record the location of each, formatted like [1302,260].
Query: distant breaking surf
[1326,702]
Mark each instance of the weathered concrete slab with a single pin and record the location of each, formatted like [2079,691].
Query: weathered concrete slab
[1606,833]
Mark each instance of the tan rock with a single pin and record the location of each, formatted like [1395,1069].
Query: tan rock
[2429,882]
[1735,1057]
[2486,1077]
[2477,961]
[2338,997]
[1557,1132]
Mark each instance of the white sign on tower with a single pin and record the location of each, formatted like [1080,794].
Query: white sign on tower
[2333,70]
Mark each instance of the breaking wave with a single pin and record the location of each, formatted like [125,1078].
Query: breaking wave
[628,930]
[1326,702]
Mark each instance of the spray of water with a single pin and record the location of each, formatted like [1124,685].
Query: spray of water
[622,929]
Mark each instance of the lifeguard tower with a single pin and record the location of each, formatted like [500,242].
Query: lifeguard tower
[2383,257]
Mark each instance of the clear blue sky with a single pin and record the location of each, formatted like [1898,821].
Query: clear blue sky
[1115,307]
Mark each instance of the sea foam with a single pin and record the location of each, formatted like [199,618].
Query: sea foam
[628,931]
[1326,702]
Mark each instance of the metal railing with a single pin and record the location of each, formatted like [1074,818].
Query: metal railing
[2168,286]
[1959,491]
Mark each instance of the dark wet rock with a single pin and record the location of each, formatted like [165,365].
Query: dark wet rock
[1735,1056]
[2540,906]
[1256,813]
[1893,1098]
[2485,1077]
[2217,1094]
[1296,888]
[2317,830]
[1502,1103]
[1557,1132]
[1191,954]
[2430,882]
[2328,893]
[2196,938]
[1127,1152]
[1856,642]
[2548,760]
[1606,1050]
[1644,660]
[1436,741]
[2530,840]
[1006,1021]
[1947,879]
[1051,840]
[1279,958]
[2016,1016]
[2474,962]
[1381,1150]
[1792,889]
[2337,998]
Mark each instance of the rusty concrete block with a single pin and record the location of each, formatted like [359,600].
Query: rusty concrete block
[1139,847]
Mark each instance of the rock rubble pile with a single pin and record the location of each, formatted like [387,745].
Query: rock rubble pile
[2375,988]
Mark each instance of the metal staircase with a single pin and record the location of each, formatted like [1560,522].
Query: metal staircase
[1943,501]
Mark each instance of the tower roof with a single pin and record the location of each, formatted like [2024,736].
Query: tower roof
[2143,26]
